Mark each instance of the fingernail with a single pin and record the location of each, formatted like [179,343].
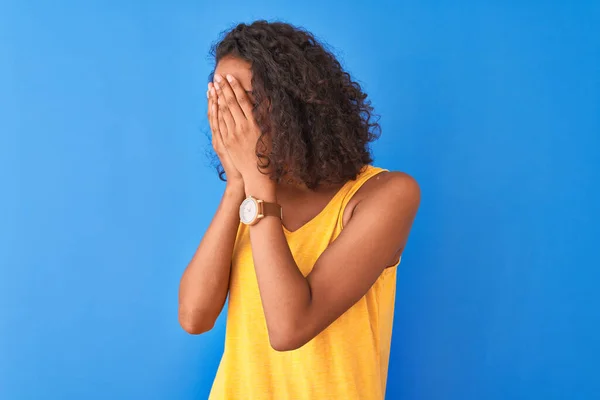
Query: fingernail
[229,78]
[208,85]
[218,78]
[212,91]
[207,94]
[217,86]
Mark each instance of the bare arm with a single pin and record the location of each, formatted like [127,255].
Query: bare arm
[298,308]
[205,282]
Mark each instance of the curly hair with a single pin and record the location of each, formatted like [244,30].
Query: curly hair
[318,120]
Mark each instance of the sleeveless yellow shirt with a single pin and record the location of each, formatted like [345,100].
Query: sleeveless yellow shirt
[346,361]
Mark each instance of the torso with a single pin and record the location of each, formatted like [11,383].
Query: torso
[352,352]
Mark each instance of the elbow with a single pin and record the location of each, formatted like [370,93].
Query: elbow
[194,328]
[287,340]
[195,323]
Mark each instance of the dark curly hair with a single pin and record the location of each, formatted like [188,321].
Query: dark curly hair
[317,118]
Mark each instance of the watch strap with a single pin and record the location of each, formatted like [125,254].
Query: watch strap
[272,210]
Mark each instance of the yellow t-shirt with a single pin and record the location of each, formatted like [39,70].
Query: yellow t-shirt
[347,361]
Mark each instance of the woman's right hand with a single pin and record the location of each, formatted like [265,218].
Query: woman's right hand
[217,125]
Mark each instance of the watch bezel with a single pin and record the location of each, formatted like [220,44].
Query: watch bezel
[258,214]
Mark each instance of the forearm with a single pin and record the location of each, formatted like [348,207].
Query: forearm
[205,282]
[285,292]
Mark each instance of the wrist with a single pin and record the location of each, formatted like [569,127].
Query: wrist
[235,188]
[261,187]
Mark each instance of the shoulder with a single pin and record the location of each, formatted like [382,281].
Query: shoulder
[390,184]
[387,191]
[396,183]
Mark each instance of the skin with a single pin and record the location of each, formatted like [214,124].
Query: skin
[296,308]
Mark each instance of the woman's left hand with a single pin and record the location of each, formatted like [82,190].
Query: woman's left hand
[241,130]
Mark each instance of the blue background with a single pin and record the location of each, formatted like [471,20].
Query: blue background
[106,190]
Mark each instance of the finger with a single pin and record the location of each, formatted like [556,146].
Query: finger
[218,121]
[212,115]
[209,101]
[225,113]
[242,97]
[221,122]
[212,101]
[224,90]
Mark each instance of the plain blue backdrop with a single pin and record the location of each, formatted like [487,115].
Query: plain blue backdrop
[106,190]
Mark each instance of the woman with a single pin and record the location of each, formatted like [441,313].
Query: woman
[308,234]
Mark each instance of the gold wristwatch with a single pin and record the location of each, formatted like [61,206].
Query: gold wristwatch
[253,210]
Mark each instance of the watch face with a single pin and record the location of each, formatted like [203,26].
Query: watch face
[248,211]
